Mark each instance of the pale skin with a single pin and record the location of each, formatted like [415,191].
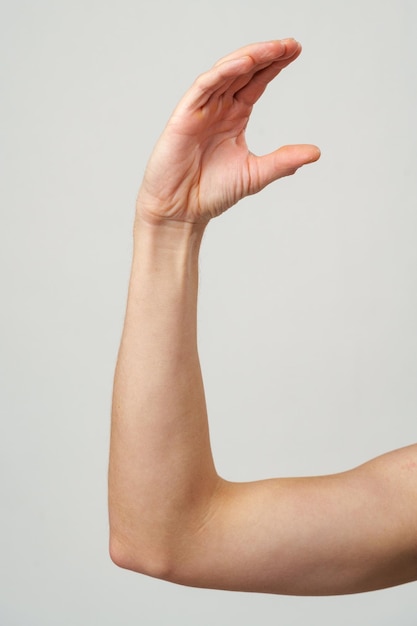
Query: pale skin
[171,515]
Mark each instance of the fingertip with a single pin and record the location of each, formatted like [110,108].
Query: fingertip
[292,46]
[301,153]
[311,154]
[315,154]
[290,40]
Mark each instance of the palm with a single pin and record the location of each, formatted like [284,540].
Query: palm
[201,165]
[208,167]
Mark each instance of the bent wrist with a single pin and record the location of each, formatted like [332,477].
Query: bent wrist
[166,243]
[161,227]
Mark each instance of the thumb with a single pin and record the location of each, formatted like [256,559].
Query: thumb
[283,162]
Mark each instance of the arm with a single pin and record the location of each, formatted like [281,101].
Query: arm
[171,515]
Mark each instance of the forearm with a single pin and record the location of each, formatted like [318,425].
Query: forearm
[161,469]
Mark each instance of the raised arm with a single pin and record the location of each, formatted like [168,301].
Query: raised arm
[171,515]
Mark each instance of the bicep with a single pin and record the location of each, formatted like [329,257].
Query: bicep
[343,533]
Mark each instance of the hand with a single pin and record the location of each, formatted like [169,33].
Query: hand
[201,164]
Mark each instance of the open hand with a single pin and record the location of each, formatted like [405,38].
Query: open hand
[201,164]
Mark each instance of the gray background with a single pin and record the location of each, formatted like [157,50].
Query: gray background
[308,290]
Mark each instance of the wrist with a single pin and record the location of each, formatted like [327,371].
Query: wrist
[166,243]
[168,231]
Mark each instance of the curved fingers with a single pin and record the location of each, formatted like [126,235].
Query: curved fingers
[235,85]
[218,78]
[263,52]
[250,92]
[235,71]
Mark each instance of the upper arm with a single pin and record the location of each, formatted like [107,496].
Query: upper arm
[343,533]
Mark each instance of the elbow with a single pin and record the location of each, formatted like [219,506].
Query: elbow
[119,552]
[149,560]
[171,550]
[136,546]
